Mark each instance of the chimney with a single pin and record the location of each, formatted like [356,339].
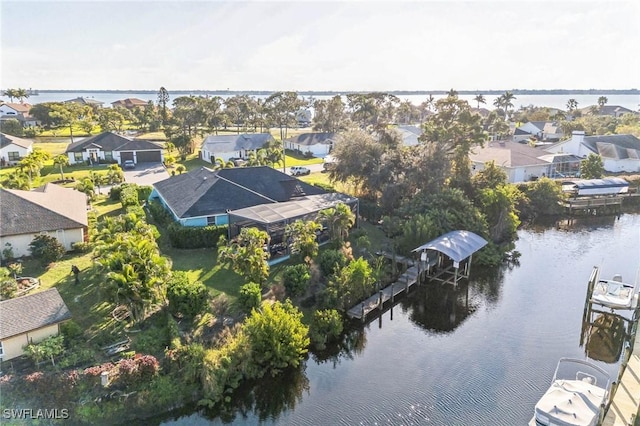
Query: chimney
[578,136]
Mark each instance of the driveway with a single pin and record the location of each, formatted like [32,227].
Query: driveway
[146,174]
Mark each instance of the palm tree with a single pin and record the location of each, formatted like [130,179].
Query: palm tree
[61,160]
[602,100]
[17,180]
[480,99]
[11,93]
[338,219]
[452,93]
[506,101]
[21,94]
[572,105]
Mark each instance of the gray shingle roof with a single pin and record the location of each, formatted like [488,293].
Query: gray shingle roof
[109,141]
[614,146]
[509,154]
[6,140]
[205,192]
[46,209]
[308,139]
[230,143]
[31,312]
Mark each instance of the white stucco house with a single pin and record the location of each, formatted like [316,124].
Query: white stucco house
[13,148]
[520,162]
[620,153]
[50,209]
[20,112]
[226,147]
[318,144]
[109,147]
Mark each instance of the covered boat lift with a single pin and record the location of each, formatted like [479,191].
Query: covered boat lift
[444,255]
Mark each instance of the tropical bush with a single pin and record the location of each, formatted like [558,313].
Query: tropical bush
[296,279]
[325,326]
[46,248]
[331,260]
[191,237]
[250,297]
[185,297]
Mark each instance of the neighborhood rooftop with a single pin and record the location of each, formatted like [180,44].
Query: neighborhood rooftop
[6,140]
[31,312]
[109,141]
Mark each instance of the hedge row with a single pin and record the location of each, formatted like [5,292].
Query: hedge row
[143,191]
[186,237]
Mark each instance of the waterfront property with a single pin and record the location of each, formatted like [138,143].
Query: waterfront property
[205,197]
[129,103]
[226,147]
[13,148]
[51,209]
[20,112]
[109,147]
[30,319]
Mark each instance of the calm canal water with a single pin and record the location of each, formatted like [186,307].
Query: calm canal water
[480,356]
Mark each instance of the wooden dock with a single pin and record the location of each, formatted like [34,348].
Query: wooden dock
[376,301]
[594,205]
[625,404]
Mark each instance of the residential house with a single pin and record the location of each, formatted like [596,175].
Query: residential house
[51,209]
[129,103]
[619,153]
[20,112]
[109,147]
[204,197]
[317,144]
[227,147]
[85,101]
[616,111]
[13,148]
[540,130]
[520,162]
[30,319]
[409,134]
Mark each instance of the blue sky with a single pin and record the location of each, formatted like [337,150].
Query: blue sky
[328,45]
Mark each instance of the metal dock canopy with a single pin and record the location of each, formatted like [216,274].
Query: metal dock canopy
[457,245]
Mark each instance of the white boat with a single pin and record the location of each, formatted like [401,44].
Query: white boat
[613,293]
[577,395]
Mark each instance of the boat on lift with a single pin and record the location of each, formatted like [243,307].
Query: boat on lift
[614,293]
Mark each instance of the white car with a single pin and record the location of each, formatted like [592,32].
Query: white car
[129,164]
[299,171]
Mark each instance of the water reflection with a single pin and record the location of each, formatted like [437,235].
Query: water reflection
[352,342]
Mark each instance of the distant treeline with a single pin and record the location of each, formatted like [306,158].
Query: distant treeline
[393,92]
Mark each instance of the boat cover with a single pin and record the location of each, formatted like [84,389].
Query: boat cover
[457,245]
[570,403]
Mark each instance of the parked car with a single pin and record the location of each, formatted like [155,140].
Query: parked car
[299,171]
[129,164]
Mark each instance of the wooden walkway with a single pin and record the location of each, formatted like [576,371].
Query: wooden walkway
[406,280]
[624,408]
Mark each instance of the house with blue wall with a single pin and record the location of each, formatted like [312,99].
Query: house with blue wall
[204,197]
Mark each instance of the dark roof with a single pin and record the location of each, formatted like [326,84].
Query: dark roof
[205,192]
[84,101]
[309,139]
[230,143]
[109,141]
[607,109]
[614,146]
[31,312]
[6,140]
[48,208]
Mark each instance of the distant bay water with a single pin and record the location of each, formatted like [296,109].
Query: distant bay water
[630,101]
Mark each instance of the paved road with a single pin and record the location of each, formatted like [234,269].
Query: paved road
[146,174]
[313,167]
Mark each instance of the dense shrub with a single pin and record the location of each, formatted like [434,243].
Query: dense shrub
[142,191]
[325,325]
[137,210]
[331,260]
[296,279]
[543,195]
[81,247]
[71,331]
[327,187]
[129,196]
[46,248]
[250,297]
[185,297]
[159,213]
[369,210]
[187,237]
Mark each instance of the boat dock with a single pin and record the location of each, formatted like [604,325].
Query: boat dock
[406,280]
[594,205]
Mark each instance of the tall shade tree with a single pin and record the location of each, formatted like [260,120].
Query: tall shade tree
[281,109]
[163,100]
[572,105]
[70,114]
[457,131]
[247,254]
[330,115]
[61,161]
[602,101]
[592,167]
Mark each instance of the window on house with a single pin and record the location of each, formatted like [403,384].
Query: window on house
[211,220]
[77,156]
[1,351]
[14,156]
[108,155]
